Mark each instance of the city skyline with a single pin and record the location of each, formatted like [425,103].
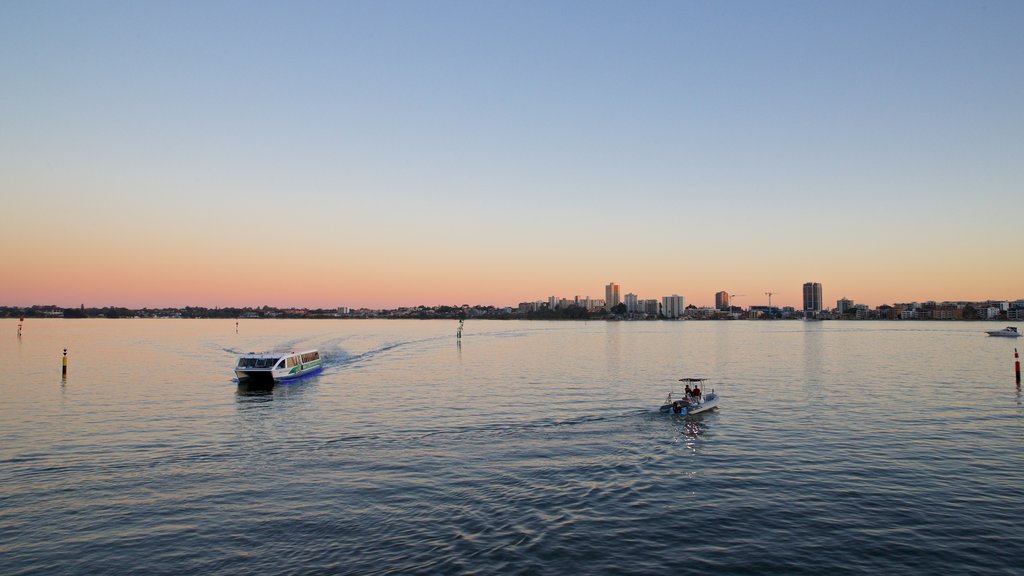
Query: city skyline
[385,155]
[813,302]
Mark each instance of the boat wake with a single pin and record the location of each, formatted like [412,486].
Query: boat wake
[480,431]
[342,358]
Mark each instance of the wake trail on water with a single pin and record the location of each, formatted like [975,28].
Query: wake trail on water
[508,428]
[497,429]
[335,356]
[340,358]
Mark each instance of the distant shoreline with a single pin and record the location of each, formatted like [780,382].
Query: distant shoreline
[995,311]
[511,318]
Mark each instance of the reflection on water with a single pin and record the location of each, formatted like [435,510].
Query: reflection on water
[265,391]
[247,389]
[689,428]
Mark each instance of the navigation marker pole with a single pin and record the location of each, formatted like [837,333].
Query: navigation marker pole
[64,366]
[20,320]
[458,334]
[1016,366]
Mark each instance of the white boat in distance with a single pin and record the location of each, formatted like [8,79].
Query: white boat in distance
[1009,331]
[695,402]
[276,366]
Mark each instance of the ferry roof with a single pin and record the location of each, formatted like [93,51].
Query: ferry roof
[279,354]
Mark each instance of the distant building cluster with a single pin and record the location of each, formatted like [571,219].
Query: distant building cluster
[612,306]
[632,307]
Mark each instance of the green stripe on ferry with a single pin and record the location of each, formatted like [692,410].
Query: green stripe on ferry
[305,366]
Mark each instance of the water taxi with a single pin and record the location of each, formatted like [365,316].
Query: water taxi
[1009,332]
[277,366]
[691,401]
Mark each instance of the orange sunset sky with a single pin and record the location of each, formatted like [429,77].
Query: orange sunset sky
[460,153]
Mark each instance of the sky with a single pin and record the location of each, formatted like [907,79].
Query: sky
[399,153]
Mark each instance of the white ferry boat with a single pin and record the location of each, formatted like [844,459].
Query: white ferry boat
[276,366]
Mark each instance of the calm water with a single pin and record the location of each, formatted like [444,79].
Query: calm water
[532,448]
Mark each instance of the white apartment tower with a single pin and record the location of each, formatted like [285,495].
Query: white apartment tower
[632,303]
[673,306]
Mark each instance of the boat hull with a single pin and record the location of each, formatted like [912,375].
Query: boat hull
[268,375]
[709,404]
[305,371]
[683,408]
[255,375]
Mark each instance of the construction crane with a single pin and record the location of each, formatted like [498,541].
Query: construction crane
[769,295]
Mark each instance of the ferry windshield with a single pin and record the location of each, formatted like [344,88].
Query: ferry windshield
[257,362]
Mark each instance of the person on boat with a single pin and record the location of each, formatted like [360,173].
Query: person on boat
[688,392]
[696,392]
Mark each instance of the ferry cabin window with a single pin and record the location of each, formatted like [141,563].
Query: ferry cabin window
[265,362]
[291,361]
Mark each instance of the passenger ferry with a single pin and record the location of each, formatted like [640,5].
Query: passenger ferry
[276,366]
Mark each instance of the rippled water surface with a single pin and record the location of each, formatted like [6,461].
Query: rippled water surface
[531,448]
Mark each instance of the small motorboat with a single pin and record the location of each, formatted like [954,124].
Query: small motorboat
[1008,332]
[692,400]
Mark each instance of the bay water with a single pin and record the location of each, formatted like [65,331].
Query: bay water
[524,448]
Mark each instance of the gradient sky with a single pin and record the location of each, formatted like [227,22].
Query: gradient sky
[394,153]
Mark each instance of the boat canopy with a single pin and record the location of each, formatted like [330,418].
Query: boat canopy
[692,379]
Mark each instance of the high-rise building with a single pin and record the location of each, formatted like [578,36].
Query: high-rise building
[632,303]
[844,305]
[673,306]
[611,295]
[812,297]
[722,300]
